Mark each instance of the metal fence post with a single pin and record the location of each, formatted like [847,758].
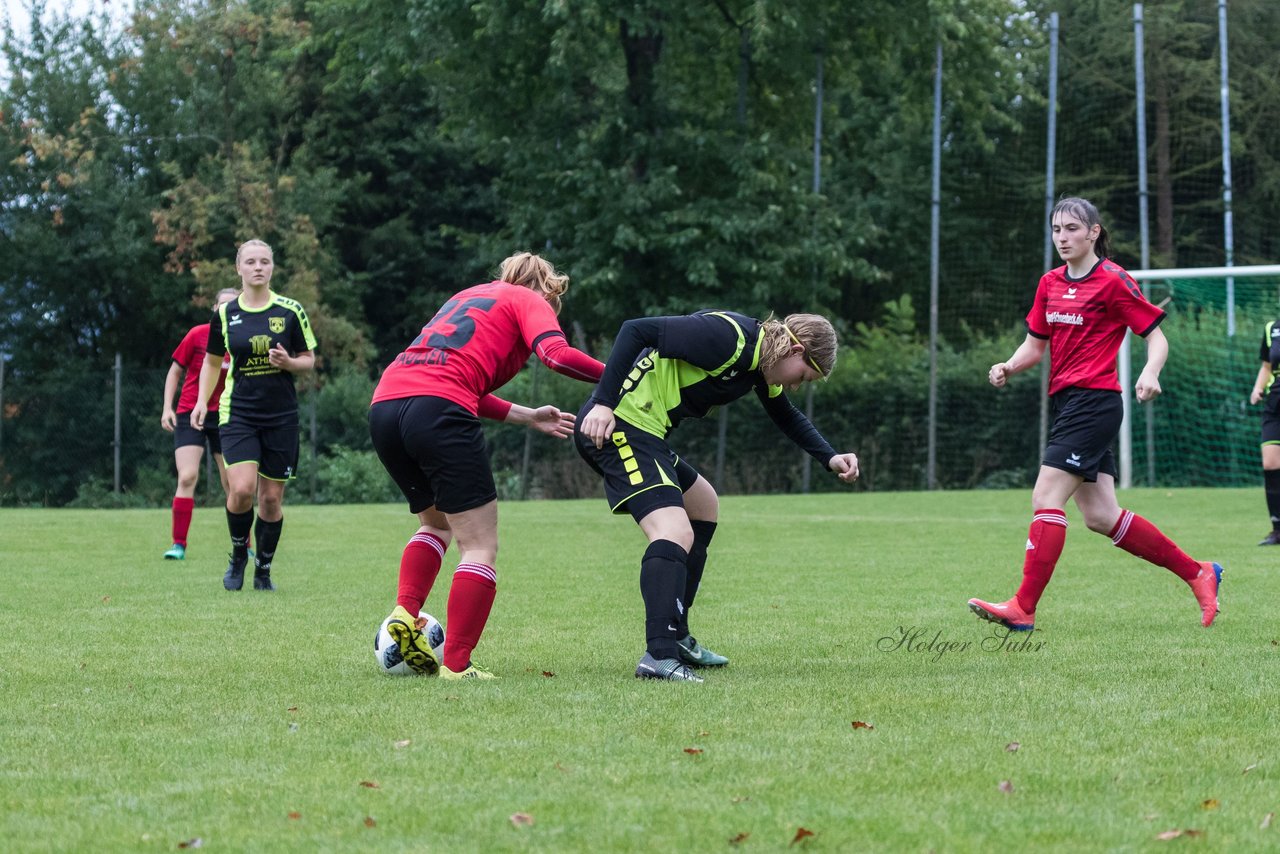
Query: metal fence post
[117,442]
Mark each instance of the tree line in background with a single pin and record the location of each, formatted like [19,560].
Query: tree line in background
[661,152]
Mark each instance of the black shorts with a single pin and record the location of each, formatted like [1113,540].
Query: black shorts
[641,473]
[1086,422]
[184,434]
[435,451]
[273,449]
[1270,422]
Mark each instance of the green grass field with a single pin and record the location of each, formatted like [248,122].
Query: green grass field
[144,708]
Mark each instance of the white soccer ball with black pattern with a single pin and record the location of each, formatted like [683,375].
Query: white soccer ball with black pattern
[387,652]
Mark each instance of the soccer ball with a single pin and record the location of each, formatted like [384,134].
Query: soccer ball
[387,652]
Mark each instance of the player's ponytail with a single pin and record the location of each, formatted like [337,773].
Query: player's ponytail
[536,273]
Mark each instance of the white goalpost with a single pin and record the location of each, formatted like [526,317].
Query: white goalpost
[1216,287]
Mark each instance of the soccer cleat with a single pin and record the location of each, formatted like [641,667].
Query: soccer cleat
[1205,586]
[696,655]
[472,671]
[262,577]
[406,630]
[1008,614]
[234,577]
[177,551]
[672,669]
[1272,539]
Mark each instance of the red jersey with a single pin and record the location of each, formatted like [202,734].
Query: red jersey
[190,356]
[1084,321]
[478,340]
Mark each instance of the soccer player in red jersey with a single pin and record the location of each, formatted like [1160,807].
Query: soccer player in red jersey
[425,426]
[1266,392]
[188,442]
[1081,311]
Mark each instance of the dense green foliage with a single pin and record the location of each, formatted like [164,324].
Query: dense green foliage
[661,152]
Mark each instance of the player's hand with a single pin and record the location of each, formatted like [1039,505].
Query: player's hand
[280,358]
[598,424]
[168,420]
[1147,387]
[999,374]
[198,414]
[552,422]
[1255,397]
[845,466]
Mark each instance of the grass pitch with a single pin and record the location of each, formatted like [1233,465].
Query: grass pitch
[865,709]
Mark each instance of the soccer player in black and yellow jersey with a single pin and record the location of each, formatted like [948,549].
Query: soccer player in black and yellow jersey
[661,371]
[269,340]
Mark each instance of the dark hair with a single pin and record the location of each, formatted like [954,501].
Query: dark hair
[1083,210]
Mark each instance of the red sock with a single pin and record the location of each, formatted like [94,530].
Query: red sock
[470,598]
[1139,537]
[419,566]
[1045,538]
[182,519]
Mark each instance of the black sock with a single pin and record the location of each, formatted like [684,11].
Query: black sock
[662,573]
[702,534]
[267,535]
[1271,481]
[239,525]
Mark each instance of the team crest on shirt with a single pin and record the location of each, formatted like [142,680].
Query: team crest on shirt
[275,324]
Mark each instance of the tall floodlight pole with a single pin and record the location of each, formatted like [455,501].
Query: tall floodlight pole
[931,466]
[806,464]
[1051,148]
[1125,367]
[1228,233]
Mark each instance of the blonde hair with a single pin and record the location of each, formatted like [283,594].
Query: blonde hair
[535,273]
[811,331]
[249,243]
[235,292]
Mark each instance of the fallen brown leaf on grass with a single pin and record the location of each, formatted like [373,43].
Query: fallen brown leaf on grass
[522,819]
[369,784]
[1012,747]
[693,751]
[403,743]
[740,838]
[802,833]
[1174,834]
[548,674]
[106,599]
[1266,821]
[369,822]
[702,733]
[295,815]
[192,843]
[1210,804]
[862,725]
[292,709]
[740,799]
[1006,786]
[1249,768]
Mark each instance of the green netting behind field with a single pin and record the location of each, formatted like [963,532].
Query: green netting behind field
[1202,430]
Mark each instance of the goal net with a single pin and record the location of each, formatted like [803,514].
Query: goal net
[1201,431]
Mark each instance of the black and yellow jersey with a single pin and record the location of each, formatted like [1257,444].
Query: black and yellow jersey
[665,369]
[1270,353]
[256,392]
